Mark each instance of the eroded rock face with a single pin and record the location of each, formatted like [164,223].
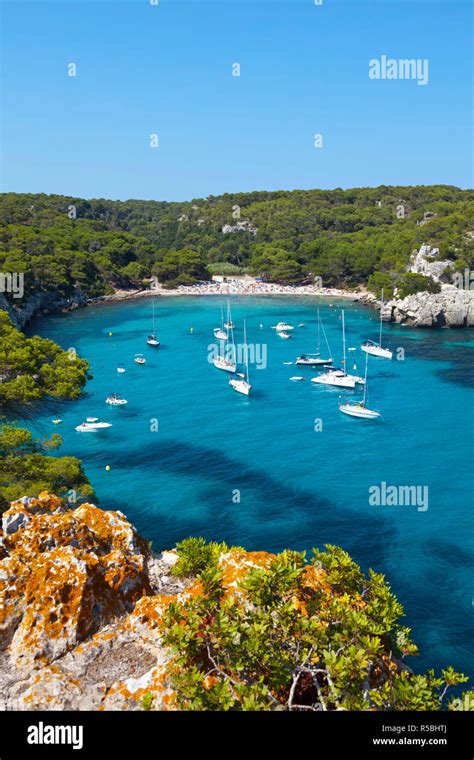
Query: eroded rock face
[426,261]
[81,601]
[452,307]
[66,572]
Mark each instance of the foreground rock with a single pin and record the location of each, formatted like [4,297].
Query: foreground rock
[81,599]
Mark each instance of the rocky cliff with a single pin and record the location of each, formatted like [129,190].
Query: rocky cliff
[81,597]
[451,307]
[40,303]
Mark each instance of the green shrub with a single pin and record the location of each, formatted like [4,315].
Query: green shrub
[195,556]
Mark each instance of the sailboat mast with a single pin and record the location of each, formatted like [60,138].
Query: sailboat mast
[381,307]
[364,400]
[344,342]
[153,305]
[319,328]
[245,353]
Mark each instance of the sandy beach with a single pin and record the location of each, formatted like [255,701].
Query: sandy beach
[236,288]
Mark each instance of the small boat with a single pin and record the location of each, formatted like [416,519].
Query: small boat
[226,359]
[121,368]
[56,422]
[287,363]
[90,426]
[301,324]
[115,400]
[376,349]
[152,340]
[295,378]
[282,327]
[339,377]
[359,408]
[220,362]
[240,383]
[314,360]
[283,334]
[139,359]
[335,377]
[219,332]
[229,325]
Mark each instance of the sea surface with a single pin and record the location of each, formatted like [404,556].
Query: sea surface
[284,468]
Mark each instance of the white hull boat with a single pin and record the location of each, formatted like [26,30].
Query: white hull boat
[284,335]
[282,327]
[359,408]
[375,350]
[220,334]
[241,386]
[152,340]
[139,359]
[115,400]
[220,362]
[92,427]
[338,378]
[241,383]
[121,370]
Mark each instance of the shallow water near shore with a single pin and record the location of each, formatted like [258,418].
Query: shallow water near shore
[260,472]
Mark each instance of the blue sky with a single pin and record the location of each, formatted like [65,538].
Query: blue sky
[167,69]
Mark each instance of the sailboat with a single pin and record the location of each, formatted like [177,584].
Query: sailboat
[359,408]
[339,377]
[219,332]
[376,349]
[241,383]
[152,340]
[314,360]
[226,359]
[229,325]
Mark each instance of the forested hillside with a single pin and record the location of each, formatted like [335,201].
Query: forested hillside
[342,236]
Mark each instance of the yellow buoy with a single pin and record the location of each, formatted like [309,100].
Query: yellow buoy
[107,467]
[110,334]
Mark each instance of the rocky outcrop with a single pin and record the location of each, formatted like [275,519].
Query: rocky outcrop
[425,261]
[449,308]
[81,601]
[40,303]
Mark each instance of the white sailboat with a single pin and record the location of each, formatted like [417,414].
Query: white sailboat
[241,383]
[219,332]
[152,340]
[139,359]
[229,325]
[376,349]
[339,377]
[359,408]
[314,360]
[226,358]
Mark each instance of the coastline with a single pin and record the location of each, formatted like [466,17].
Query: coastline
[230,289]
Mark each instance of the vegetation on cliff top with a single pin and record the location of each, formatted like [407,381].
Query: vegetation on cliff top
[35,368]
[26,468]
[266,632]
[342,236]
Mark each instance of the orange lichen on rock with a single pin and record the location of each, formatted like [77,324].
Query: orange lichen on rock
[237,563]
[67,571]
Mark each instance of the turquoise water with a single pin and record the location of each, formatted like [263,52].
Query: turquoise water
[298,486]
